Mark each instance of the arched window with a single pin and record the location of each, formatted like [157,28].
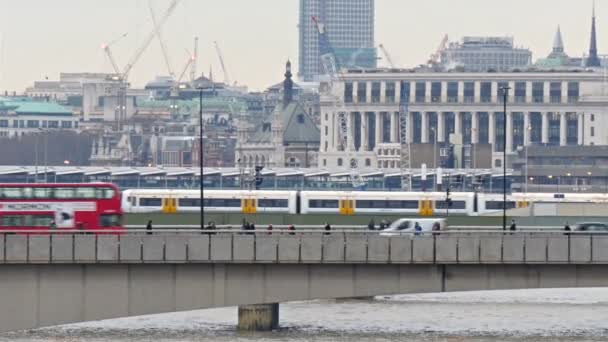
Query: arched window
[340,162]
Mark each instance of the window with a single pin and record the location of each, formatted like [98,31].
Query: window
[435,92]
[222,203]
[3,123]
[324,162]
[485,92]
[33,123]
[85,193]
[520,92]
[26,221]
[538,92]
[11,193]
[110,220]
[375,92]
[66,124]
[390,92]
[469,92]
[323,204]
[452,92]
[592,117]
[420,91]
[348,92]
[455,205]
[326,131]
[387,204]
[340,162]
[497,163]
[150,202]
[592,131]
[362,92]
[300,118]
[555,91]
[105,193]
[495,205]
[189,202]
[272,203]
[368,162]
[53,124]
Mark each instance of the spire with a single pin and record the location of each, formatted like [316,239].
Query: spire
[287,85]
[558,42]
[593,60]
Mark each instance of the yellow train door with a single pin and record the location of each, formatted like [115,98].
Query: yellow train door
[347,207]
[249,205]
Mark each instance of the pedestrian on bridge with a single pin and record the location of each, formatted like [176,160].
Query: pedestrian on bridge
[513,226]
[327,229]
[567,228]
[291,229]
[149,227]
[371,225]
[269,229]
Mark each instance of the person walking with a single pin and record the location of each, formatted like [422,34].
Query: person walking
[327,229]
[513,226]
[567,229]
[291,229]
[417,229]
[371,225]
[149,227]
[269,229]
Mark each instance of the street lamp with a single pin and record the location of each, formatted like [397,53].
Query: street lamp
[505,95]
[200,154]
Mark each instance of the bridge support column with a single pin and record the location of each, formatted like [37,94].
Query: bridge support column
[261,317]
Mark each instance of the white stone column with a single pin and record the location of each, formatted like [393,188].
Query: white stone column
[364,133]
[410,127]
[564,92]
[393,127]
[580,119]
[545,128]
[397,91]
[477,91]
[458,123]
[355,91]
[424,130]
[350,119]
[368,92]
[412,92]
[546,92]
[440,127]
[383,92]
[379,122]
[474,128]
[563,129]
[461,92]
[427,94]
[444,92]
[494,92]
[492,130]
[527,129]
[509,124]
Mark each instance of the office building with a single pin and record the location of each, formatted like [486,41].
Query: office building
[483,54]
[350,26]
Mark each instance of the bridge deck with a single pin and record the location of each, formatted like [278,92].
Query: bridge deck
[455,247]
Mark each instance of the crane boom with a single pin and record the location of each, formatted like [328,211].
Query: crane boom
[194,60]
[221,57]
[387,56]
[329,62]
[148,39]
[106,49]
[163,47]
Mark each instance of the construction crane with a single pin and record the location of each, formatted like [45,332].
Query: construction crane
[330,64]
[163,47]
[406,170]
[387,56]
[194,60]
[123,76]
[436,56]
[221,57]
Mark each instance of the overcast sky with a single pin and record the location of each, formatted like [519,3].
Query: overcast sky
[41,38]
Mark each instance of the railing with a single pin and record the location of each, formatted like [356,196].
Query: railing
[310,246]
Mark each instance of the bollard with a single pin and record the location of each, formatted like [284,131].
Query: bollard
[260,317]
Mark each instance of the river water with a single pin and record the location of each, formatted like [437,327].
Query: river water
[526,315]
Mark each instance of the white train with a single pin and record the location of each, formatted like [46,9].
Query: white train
[339,202]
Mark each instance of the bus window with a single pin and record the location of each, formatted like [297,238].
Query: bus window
[41,193]
[110,220]
[10,193]
[105,193]
[64,193]
[84,193]
[12,221]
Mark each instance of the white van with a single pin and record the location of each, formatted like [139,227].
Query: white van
[407,226]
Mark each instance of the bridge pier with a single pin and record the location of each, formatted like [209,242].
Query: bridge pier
[260,317]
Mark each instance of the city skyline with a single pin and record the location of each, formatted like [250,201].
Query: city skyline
[68,34]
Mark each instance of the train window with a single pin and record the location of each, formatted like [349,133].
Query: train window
[498,205]
[323,204]
[272,203]
[455,205]
[223,203]
[374,204]
[64,193]
[189,202]
[11,193]
[150,202]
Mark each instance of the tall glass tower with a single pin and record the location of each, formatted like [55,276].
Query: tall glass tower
[350,27]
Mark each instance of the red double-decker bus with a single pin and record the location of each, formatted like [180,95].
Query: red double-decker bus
[90,206]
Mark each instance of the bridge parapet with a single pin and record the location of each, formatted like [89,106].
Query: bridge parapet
[307,247]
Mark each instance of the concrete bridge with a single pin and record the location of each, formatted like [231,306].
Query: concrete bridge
[62,278]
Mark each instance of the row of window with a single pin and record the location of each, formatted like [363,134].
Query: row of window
[18,193]
[485,91]
[18,221]
[215,202]
[386,204]
[39,124]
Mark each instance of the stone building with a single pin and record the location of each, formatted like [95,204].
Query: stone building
[287,137]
